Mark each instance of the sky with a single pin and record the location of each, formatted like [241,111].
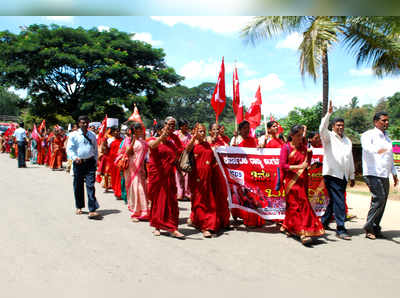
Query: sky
[194,47]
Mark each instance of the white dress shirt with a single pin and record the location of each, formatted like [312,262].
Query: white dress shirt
[374,164]
[338,155]
[79,147]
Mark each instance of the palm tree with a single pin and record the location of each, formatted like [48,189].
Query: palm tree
[374,40]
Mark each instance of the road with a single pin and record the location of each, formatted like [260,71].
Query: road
[48,251]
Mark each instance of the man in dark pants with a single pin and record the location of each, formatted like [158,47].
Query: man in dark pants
[82,149]
[20,138]
[338,168]
[378,164]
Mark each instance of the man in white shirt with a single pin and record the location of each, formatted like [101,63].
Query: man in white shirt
[377,162]
[337,169]
[20,138]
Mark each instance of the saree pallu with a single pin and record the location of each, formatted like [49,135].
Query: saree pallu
[300,218]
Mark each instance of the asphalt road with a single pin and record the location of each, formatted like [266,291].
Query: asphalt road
[48,251]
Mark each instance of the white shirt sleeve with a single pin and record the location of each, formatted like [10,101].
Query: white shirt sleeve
[323,128]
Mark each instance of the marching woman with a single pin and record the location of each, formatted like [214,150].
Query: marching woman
[182,179]
[57,150]
[164,152]
[134,148]
[210,211]
[272,140]
[250,220]
[114,172]
[214,138]
[300,219]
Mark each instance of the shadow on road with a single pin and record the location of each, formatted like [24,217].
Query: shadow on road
[106,212]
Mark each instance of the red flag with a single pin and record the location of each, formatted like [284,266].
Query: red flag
[35,134]
[253,115]
[218,99]
[42,126]
[236,104]
[102,131]
[280,128]
[135,116]
[154,122]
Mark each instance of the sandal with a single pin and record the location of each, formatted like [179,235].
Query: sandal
[135,219]
[178,235]
[78,212]
[343,236]
[94,215]
[305,239]
[206,234]
[156,233]
[370,236]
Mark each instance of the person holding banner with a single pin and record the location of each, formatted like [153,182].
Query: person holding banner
[210,211]
[251,220]
[300,219]
[337,169]
[164,152]
[214,138]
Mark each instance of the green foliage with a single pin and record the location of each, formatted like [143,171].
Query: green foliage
[394,115]
[311,117]
[9,102]
[76,71]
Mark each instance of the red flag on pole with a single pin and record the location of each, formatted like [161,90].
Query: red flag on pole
[253,115]
[236,104]
[42,126]
[102,130]
[218,99]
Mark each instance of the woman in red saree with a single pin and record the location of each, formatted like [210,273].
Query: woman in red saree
[164,152]
[57,151]
[135,149]
[210,211]
[214,138]
[300,219]
[271,139]
[250,220]
[113,171]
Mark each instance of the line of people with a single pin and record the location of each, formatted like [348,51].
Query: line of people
[145,173]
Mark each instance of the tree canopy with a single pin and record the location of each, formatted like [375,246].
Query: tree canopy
[69,71]
[9,102]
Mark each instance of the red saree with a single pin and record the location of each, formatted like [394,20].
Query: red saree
[300,218]
[209,204]
[57,152]
[164,212]
[114,171]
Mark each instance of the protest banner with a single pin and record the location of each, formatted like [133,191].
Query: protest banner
[252,176]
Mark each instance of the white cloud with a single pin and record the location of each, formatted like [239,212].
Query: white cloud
[209,69]
[218,24]
[146,37]
[103,28]
[20,92]
[361,72]
[292,41]
[63,19]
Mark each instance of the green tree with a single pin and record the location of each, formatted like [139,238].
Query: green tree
[394,115]
[311,117]
[9,102]
[74,71]
[374,40]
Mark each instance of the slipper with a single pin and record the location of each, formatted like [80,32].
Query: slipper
[370,236]
[176,234]
[207,234]
[94,215]
[306,240]
[78,212]
[343,236]
[156,233]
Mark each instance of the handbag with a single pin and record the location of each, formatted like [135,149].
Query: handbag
[123,162]
[186,161]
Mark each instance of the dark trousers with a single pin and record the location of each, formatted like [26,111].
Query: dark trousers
[21,154]
[336,189]
[85,173]
[379,188]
